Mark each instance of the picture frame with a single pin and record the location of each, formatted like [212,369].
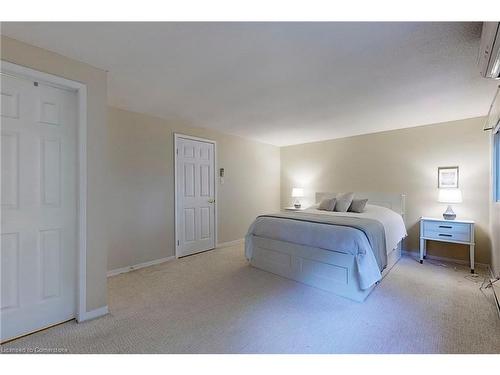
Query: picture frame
[448,177]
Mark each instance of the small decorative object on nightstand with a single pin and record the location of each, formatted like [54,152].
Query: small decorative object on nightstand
[455,231]
[297,193]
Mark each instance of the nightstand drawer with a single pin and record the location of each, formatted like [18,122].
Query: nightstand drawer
[447,236]
[445,227]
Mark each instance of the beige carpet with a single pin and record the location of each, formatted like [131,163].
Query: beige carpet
[215,303]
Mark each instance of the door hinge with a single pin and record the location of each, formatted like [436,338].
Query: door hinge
[177,151]
[177,242]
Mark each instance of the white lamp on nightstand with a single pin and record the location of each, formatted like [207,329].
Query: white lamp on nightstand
[450,196]
[297,193]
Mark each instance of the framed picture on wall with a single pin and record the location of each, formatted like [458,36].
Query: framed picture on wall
[448,177]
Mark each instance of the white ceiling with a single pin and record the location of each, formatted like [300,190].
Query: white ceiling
[281,83]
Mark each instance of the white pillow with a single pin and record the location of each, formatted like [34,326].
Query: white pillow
[344,200]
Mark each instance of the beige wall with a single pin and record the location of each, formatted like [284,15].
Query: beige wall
[130,175]
[403,161]
[142,181]
[95,79]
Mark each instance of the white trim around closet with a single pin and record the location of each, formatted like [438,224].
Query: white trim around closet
[23,72]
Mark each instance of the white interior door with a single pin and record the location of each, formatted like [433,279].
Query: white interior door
[195,196]
[38,197]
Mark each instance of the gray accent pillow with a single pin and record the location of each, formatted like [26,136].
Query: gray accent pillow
[358,205]
[327,204]
[344,200]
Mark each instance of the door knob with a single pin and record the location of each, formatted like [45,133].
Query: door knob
[211,201]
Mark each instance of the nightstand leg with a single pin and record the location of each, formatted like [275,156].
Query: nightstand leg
[422,250]
[471,253]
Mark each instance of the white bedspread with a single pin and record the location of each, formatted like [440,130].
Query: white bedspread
[393,223]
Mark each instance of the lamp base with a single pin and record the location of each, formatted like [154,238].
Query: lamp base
[297,204]
[449,214]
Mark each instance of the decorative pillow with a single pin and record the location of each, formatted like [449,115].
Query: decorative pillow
[358,205]
[344,200]
[327,204]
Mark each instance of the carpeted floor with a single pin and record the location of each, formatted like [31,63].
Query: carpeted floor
[215,303]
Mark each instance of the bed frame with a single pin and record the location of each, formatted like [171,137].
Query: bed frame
[325,269]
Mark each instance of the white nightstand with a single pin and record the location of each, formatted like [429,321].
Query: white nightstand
[456,231]
[293,209]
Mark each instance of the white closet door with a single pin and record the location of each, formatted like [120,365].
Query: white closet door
[195,196]
[38,234]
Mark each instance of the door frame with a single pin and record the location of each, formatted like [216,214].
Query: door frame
[24,72]
[178,136]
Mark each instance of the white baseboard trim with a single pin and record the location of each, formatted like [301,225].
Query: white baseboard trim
[118,271]
[230,243]
[416,254]
[101,311]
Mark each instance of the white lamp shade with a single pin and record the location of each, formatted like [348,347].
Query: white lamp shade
[450,196]
[297,192]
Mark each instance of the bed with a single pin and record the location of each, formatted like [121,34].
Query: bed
[341,252]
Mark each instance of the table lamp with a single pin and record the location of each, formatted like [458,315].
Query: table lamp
[449,196]
[297,193]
